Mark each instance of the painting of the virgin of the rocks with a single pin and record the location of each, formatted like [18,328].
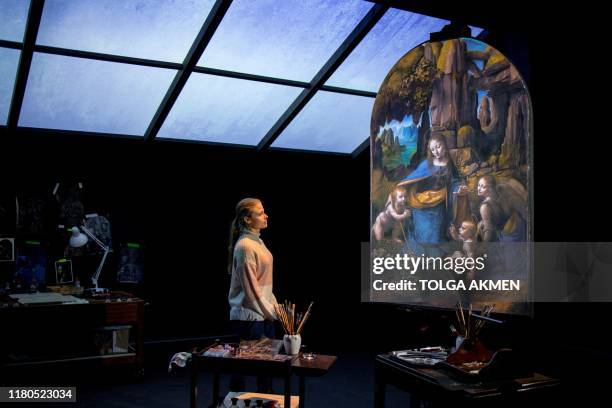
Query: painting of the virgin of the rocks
[451,178]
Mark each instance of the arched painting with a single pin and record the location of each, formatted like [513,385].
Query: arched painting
[451,170]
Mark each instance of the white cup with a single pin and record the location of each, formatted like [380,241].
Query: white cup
[292,343]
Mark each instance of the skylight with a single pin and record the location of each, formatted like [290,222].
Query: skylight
[289,39]
[152,29]
[258,57]
[218,109]
[92,96]
[9,59]
[331,122]
[13,17]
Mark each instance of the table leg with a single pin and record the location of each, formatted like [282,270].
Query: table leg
[380,389]
[288,391]
[215,389]
[302,392]
[193,389]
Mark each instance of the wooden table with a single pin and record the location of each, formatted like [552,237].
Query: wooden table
[279,369]
[440,387]
[46,328]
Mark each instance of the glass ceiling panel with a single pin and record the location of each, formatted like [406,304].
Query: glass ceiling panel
[289,39]
[9,60]
[92,96]
[13,17]
[330,122]
[394,35]
[226,110]
[152,29]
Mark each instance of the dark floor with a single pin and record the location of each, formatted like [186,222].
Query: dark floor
[349,383]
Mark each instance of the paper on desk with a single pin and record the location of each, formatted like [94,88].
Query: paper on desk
[46,298]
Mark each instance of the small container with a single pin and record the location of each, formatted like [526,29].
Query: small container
[292,343]
[306,353]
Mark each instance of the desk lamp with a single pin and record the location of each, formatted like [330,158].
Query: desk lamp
[79,239]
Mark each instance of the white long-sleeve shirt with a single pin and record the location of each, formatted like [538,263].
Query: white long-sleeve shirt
[250,295]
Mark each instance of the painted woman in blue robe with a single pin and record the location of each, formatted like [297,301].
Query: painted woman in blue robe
[430,190]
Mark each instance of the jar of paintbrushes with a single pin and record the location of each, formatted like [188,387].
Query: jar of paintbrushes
[293,323]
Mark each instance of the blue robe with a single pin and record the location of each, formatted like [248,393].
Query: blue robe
[430,221]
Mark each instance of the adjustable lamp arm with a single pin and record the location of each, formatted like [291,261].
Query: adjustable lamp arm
[94,238]
[106,251]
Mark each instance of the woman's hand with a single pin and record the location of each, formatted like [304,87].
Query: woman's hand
[462,189]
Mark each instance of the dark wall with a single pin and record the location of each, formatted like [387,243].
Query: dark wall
[178,200]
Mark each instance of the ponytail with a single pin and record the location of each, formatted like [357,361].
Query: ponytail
[243,209]
[234,234]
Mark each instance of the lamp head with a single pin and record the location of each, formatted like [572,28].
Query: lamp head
[78,239]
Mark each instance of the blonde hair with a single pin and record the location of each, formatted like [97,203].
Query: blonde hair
[244,208]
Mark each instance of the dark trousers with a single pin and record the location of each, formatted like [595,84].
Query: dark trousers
[252,330]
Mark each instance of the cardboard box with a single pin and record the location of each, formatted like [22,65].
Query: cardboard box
[254,396]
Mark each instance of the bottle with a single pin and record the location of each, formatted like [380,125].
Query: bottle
[247,403]
[234,402]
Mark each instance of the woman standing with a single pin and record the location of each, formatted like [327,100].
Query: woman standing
[250,263]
